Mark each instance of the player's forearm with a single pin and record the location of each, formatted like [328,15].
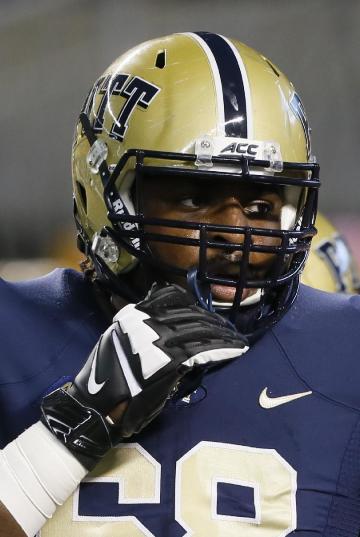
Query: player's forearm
[37,474]
[8,525]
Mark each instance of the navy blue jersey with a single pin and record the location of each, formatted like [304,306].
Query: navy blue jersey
[268,446]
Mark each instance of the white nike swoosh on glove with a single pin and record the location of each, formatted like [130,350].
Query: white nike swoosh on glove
[93,386]
[214,355]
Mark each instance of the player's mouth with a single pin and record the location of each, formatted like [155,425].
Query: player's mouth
[227,267]
[226,293]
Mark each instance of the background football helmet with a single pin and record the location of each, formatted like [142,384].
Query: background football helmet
[331,265]
[193,105]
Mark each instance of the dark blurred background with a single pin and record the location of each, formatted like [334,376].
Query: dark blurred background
[52,51]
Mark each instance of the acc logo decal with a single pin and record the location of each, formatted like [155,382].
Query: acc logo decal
[241,148]
[135,90]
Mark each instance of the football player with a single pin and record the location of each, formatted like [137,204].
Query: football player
[184,384]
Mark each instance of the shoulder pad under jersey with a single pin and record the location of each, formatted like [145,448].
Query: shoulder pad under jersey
[320,335]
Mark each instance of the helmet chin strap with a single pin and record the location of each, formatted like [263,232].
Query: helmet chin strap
[203,295]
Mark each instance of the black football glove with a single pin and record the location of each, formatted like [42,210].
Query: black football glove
[141,358]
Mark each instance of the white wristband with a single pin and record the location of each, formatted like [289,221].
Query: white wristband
[37,473]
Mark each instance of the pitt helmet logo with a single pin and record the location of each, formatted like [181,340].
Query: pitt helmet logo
[136,91]
[336,254]
[242,148]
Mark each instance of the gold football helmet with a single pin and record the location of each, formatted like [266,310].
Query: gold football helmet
[331,265]
[195,105]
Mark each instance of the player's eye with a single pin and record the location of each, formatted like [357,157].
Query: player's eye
[195,202]
[191,203]
[259,209]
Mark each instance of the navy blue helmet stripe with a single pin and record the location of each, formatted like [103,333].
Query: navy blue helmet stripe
[299,110]
[232,84]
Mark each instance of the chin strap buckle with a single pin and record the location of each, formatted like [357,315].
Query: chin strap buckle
[97,155]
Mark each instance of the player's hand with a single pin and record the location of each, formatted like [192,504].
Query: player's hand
[137,363]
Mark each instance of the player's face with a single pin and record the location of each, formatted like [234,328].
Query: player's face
[206,202]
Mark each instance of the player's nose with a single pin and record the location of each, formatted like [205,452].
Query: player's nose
[230,214]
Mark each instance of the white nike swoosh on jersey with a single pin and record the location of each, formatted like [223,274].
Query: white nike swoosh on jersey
[270,402]
[93,386]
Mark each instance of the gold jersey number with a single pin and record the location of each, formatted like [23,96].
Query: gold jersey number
[198,473]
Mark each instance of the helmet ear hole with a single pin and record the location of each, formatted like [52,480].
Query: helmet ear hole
[82,193]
